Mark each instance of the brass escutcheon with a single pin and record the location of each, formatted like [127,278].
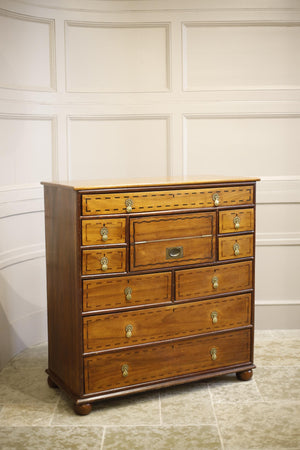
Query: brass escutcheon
[216,199]
[128,293]
[213,354]
[174,252]
[236,249]
[104,234]
[215,282]
[214,317]
[128,330]
[125,370]
[104,263]
[128,204]
[236,222]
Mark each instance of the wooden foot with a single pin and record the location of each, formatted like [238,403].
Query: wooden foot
[245,376]
[83,410]
[51,383]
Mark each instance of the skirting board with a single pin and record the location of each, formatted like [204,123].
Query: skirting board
[277,315]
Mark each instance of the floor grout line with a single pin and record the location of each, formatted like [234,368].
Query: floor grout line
[215,416]
[103,438]
[159,409]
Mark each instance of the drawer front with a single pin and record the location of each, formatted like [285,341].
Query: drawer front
[110,331]
[172,227]
[214,280]
[103,261]
[118,203]
[236,220]
[164,361]
[231,247]
[121,292]
[101,231]
[171,253]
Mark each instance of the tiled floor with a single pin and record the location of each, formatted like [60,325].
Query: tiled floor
[223,413]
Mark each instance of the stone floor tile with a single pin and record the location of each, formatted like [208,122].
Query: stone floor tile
[187,405]
[140,409]
[277,352]
[16,415]
[280,383]
[50,438]
[33,357]
[162,438]
[26,386]
[264,425]
[228,389]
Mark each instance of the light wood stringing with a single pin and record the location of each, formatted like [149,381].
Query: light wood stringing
[91,231]
[226,246]
[226,220]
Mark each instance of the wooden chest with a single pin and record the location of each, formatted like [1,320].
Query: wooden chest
[150,283]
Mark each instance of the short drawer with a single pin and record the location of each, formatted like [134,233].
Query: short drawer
[236,220]
[101,231]
[172,226]
[103,261]
[131,202]
[214,280]
[231,247]
[123,292]
[166,361]
[110,331]
[170,253]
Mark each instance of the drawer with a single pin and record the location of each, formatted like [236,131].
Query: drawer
[231,247]
[159,362]
[206,281]
[101,231]
[122,292]
[169,253]
[172,226]
[118,203]
[103,261]
[236,220]
[110,331]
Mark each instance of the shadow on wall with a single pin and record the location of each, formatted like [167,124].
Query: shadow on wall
[23,314]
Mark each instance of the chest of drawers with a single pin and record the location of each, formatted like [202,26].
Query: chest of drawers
[150,283]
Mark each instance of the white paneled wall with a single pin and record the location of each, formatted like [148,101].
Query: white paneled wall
[105,89]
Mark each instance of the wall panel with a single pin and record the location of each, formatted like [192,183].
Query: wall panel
[109,147]
[249,55]
[27,52]
[117,57]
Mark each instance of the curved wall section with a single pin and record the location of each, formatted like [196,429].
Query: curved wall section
[126,88]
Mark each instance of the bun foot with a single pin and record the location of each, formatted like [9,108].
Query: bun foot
[51,383]
[244,376]
[83,410]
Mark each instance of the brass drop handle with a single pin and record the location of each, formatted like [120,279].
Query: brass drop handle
[104,234]
[213,354]
[236,249]
[128,331]
[125,370]
[214,317]
[237,221]
[128,293]
[215,282]
[128,204]
[216,199]
[104,263]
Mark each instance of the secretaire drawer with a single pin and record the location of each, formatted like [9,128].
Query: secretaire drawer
[231,247]
[121,292]
[161,361]
[116,203]
[236,220]
[101,231]
[123,329]
[172,226]
[103,261]
[206,281]
[174,252]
